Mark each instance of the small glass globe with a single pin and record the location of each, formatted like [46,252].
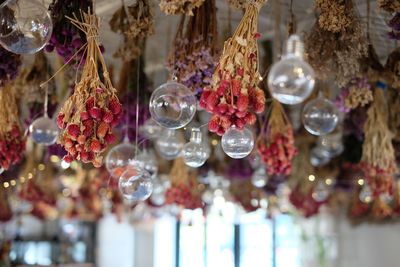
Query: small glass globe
[331,144]
[291,80]
[318,157]
[150,129]
[195,153]
[321,192]
[25,26]
[320,116]
[237,143]
[386,197]
[259,178]
[169,145]
[44,131]
[366,194]
[148,162]
[135,184]
[119,157]
[172,105]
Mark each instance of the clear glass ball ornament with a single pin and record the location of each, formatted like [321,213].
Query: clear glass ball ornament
[169,145]
[119,157]
[318,157]
[148,161]
[237,143]
[44,131]
[331,144]
[195,152]
[291,80]
[321,191]
[135,183]
[320,116]
[259,178]
[386,197]
[366,194]
[172,105]
[150,129]
[25,26]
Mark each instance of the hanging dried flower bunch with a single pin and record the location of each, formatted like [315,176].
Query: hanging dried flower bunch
[179,7]
[394,113]
[30,80]
[333,15]
[245,193]
[135,23]
[378,158]
[234,96]
[9,66]
[357,93]
[193,58]
[90,113]
[67,39]
[276,142]
[12,140]
[6,212]
[237,4]
[389,5]
[183,190]
[337,44]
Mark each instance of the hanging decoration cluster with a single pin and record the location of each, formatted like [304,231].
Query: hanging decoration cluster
[12,140]
[10,64]
[193,58]
[337,42]
[177,7]
[67,40]
[90,113]
[276,142]
[183,190]
[378,158]
[234,96]
[356,93]
[135,23]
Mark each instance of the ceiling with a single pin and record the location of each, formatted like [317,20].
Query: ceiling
[273,11]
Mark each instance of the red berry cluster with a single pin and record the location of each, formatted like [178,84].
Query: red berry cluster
[12,147]
[278,152]
[86,138]
[304,202]
[182,195]
[233,102]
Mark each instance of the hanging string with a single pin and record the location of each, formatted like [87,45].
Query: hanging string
[46,100]
[137,106]
[292,22]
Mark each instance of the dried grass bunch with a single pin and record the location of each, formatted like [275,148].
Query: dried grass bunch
[179,7]
[12,140]
[337,44]
[135,23]
[378,157]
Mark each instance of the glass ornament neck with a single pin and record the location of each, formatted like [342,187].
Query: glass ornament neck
[196,136]
[294,47]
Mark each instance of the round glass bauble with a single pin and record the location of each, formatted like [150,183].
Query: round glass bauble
[259,178]
[119,157]
[169,145]
[237,143]
[318,157]
[321,192]
[25,26]
[135,183]
[320,116]
[366,194]
[172,105]
[44,131]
